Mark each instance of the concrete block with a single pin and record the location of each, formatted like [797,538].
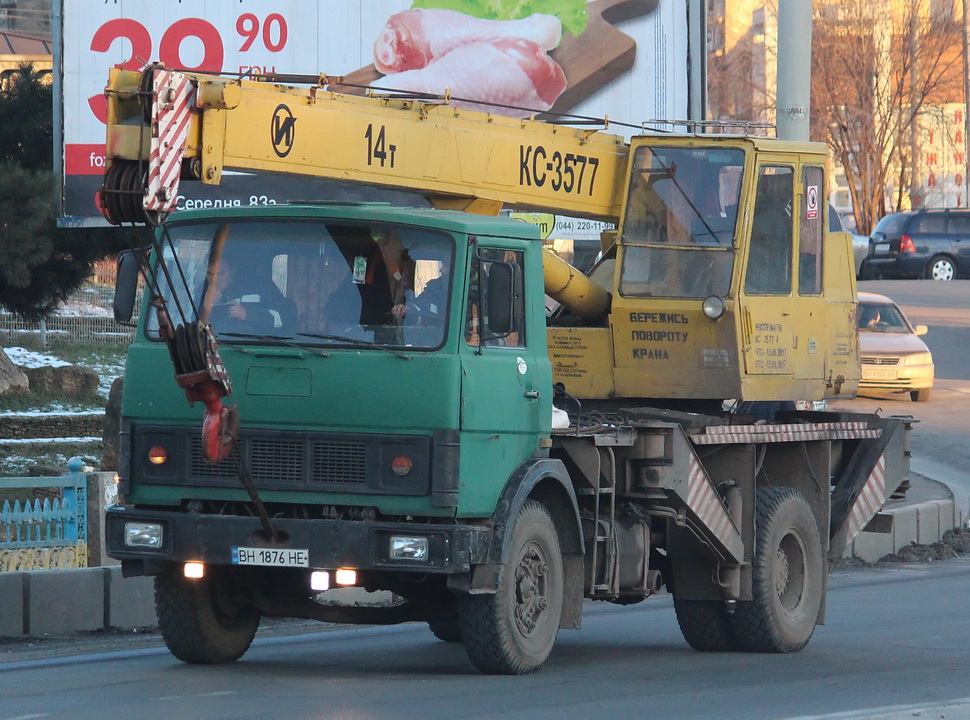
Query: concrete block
[11,604]
[905,527]
[928,525]
[130,601]
[949,517]
[870,546]
[64,601]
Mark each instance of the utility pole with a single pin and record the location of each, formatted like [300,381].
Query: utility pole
[697,52]
[794,91]
[966,109]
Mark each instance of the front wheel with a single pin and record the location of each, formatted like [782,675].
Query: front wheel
[512,631]
[920,395]
[941,268]
[206,621]
[788,576]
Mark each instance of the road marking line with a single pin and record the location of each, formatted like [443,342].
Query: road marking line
[198,695]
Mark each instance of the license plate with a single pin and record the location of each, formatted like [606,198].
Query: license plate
[882,247]
[273,557]
[878,374]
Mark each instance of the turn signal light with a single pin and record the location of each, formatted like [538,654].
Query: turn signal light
[345,576]
[157,455]
[401,465]
[194,570]
[906,244]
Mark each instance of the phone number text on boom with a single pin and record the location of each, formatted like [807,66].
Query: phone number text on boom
[567,172]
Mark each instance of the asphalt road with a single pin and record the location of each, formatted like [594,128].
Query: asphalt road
[940,441]
[895,645]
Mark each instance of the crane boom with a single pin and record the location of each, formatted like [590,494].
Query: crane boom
[457,159]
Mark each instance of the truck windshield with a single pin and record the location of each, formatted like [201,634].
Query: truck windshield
[310,282]
[678,230]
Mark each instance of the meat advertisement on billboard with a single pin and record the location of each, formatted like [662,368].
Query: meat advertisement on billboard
[623,59]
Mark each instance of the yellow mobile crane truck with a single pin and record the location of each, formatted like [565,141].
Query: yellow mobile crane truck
[389,403]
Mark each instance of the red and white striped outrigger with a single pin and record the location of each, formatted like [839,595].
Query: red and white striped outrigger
[858,493]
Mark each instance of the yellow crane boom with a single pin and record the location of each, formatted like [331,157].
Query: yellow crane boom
[457,159]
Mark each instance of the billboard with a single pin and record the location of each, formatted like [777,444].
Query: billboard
[625,59]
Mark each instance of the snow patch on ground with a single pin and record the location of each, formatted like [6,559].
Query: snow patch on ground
[32,359]
[78,308]
[57,410]
[47,440]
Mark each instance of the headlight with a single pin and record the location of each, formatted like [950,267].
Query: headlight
[408,548]
[713,307]
[143,534]
[923,358]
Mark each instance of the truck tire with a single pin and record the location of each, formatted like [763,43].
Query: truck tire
[448,630]
[788,576]
[512,631]
[203,621]
[705,625]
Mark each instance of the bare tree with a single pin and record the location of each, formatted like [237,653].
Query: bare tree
[876,69]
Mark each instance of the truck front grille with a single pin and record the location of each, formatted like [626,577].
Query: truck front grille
[339,462]
[281,461]
[306,461]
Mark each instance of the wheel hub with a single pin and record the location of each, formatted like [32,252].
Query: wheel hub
[790,572]
[530,590]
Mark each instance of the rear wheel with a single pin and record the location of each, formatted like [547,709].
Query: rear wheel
[941,268]
[705,625]
[208,620]
[920,395]
[788,575]
[512,631]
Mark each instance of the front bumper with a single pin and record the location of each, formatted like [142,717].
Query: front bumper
[917,377]
[332,544]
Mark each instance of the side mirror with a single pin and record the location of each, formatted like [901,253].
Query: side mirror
[921,329]
[126,286]
[504,291]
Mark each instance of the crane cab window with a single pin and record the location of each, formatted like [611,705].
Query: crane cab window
[769,270]
[679,224]
[810,232]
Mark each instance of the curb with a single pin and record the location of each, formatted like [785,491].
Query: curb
[891,530]
[61,602]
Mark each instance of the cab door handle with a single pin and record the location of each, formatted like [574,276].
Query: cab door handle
[532,394]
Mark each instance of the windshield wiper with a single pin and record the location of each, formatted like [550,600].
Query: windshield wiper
[279,339]
[356,343]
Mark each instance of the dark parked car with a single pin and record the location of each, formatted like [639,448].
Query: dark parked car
[933,243]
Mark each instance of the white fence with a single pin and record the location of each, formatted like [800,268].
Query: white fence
[86,317]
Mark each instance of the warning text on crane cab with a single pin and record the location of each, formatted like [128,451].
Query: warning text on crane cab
[660,331]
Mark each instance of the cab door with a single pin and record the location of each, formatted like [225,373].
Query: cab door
[810,336]
[767,323]
[506,376]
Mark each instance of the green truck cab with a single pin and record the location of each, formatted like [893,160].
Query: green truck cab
[393,387]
